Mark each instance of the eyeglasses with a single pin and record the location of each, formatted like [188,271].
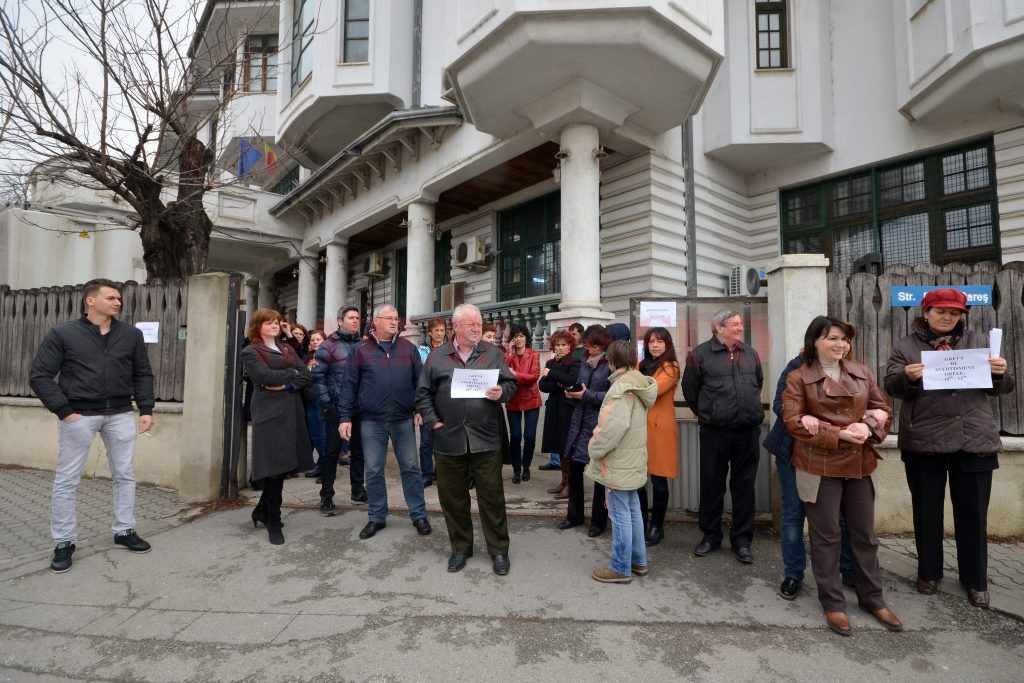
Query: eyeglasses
[392,318]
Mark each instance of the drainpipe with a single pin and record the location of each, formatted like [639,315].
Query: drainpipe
[417,49]
[690,209]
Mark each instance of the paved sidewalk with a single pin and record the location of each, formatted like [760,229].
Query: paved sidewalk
[214,601]
[25,516]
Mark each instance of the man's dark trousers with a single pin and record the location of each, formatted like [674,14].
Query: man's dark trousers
[722,449]
[453,493]
[329,469]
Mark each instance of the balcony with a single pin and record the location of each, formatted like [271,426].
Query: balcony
[633,70]
[339,100]
[959,60]
[531,312]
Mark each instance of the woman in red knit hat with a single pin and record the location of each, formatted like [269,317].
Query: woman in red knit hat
[947,433]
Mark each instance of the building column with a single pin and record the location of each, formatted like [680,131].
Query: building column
[335,284]
[266,297]
[305,307]
[580,226]
[419,281]
[797,293]
[252,291]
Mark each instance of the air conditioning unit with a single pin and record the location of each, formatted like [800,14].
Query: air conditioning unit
[746,280]
[373,264]
[452,295]
[470,252]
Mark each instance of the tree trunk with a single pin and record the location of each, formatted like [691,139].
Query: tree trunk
[176,242]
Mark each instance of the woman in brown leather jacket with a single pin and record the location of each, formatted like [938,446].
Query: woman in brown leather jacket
[947,431]
[835,411]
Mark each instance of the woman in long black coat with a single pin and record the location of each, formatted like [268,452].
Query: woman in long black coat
[560,373]
[280,442]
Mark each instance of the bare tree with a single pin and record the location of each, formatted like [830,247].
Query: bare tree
[117,115]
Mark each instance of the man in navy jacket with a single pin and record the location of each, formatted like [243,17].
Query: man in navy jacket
[380,383]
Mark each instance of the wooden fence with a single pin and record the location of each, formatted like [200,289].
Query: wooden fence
[865,300]
[26,315]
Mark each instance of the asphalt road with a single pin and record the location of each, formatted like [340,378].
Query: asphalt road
[214,601]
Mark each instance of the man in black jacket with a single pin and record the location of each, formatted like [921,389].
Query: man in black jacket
[381,380]
[466,438]
[328,376]
[102,364]
[722,385]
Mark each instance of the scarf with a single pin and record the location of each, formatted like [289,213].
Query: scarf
[648,366]
[594,361]
[938,342]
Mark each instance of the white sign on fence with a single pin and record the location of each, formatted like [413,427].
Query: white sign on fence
[961,369]
[150,332]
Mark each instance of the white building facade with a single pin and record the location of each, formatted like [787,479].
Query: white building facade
[549,160]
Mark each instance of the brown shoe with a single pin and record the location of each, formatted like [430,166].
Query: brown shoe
[838,622]
[978,598]
[555,489]
[885,617]
[926,587]
[562,495]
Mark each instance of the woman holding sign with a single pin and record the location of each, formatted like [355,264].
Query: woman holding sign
[835,460]
[947,432]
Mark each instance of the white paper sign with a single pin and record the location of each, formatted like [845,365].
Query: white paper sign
[657,314]
[150,332]
[472,383]
[963,369]
[995,340]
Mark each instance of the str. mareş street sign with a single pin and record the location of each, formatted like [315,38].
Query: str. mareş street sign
[977,295]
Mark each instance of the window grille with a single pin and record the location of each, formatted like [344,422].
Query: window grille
[357,31]
[939,208]
[529,239]
[260,70]
[303,29]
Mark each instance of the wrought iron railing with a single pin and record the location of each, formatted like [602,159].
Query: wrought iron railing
[531,312]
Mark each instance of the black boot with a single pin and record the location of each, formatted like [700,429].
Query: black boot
[259,515]
[274,533]
[654,535]
[659,506]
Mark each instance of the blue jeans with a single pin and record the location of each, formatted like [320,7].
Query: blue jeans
[317,430]
[522,440]
[628,547]
[555,459]
[375,435]
[427,453]
[794,555]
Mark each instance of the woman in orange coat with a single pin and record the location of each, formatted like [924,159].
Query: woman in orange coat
[659,361]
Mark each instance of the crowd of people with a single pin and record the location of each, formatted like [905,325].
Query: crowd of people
[610,417]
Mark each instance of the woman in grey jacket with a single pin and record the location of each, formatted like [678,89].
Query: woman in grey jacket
[947,432]
[280,442]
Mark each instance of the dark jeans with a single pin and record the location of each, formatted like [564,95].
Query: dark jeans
[855,500]
[427,453]
[317,429]
[575,512]
[659,491]
[453,472]
[375,435]
[969,492]
[794,555]
[522,440]
[329,468]
[722,450]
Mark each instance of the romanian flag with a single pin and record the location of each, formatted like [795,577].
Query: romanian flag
[247,158]
[270,159]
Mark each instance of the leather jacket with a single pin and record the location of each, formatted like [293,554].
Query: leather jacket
[809,391]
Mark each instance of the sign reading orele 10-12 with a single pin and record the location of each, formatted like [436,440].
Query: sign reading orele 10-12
[977,295]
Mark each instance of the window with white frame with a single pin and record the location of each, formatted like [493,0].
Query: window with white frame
[303,28]
[771,35]
[356,34]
